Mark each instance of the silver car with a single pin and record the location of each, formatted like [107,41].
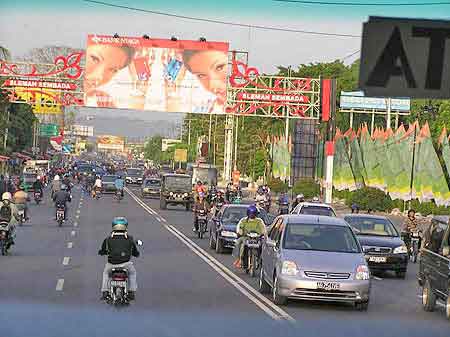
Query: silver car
[317,258]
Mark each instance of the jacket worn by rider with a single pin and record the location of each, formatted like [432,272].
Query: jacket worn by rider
[61,197]
[119,247]
[201,206]
[247,225]
[411,225]
[37,186]
[20,197]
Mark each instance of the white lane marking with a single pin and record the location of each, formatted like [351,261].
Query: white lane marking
[69,244]
[78,211]
[163,220]
[73,233]
[77,216]
[236,281]
[66,261]
[228,278]
[60,284]
[75,224]
[377,278]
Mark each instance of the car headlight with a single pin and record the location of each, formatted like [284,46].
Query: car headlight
[362,273]
[185,195]
[289,268]
[171,193]
[228,234]
[401,250]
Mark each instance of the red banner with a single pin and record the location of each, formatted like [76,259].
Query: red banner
[326,100]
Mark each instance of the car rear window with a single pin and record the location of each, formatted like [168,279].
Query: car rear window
[317,210]
[371,226]
[109,179]
[319,237]
[152,182]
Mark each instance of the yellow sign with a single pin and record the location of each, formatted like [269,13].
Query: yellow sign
[180,155]
[42,101]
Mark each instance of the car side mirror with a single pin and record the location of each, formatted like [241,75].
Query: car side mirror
[446,251]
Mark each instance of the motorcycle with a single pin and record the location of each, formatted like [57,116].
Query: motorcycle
[118,285]
[60,210]
[283,208]
[202,220]
[218,207]
[118,195]
[415,242]
[20,216]
[96,193]
[5,237]
[37,197]
[252,247]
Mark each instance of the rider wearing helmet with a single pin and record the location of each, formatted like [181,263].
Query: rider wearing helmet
[61,198]
[200,204]
[119,247]
[298,199]
[251,223]
[20,199]
[56,185]
[37,185]
[119,183]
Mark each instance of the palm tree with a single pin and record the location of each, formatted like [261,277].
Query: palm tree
[4,53]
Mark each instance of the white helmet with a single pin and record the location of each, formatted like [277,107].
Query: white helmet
[38,177]
[56,178]
[6,196]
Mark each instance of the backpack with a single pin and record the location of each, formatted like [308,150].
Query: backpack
[5,212]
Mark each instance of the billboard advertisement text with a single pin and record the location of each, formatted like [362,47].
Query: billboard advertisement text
[115,143]
[156,74]
[357,100]
[43,101]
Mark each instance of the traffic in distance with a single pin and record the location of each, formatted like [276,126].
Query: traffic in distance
[294,254]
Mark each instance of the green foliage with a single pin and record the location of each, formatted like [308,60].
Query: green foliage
[277,186]
[308,187]
[371,198]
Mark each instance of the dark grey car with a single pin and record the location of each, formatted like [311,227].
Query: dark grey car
[316,258]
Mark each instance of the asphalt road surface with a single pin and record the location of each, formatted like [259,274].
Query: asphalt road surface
[50,284]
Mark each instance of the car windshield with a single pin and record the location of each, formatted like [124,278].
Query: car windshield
[232,215]
[317,210]
[179,182]
[152,182]
[319,237]
[109,179]
[134,172]
[371,226]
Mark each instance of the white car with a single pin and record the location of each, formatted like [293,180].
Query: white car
[314,208]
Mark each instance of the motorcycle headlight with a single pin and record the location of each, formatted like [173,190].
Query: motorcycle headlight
[362,273]
[228,234]
[401,250]
[289,268]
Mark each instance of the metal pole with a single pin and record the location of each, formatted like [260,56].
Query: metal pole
[236,143]
[351,120]
[214,149]
[228,155]
[388,117]
[189,132]
[209,137]
[413,164]
[396,121]
[372,125]
[5,140]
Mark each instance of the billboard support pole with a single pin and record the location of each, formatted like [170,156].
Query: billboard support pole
[228,155]
[388,115]
[351,120]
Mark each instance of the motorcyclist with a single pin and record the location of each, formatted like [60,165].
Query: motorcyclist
[61,198]
[219,201]
[37,185]
[200,204]
[119,246]
[56,185]
[411,225]
[20,199]
[248,224]
[200,188]
[298,199]
[67,182]
[97,185]
[9,214]
[261,198]
[283,203]
[119,183]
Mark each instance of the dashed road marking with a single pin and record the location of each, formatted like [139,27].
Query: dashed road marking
[77,216]
[377,278]
[66,261]
[69,244]
[73,233]
[60,284]
[78,211]
[75,224]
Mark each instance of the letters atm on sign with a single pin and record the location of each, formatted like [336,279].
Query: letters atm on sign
[405,57]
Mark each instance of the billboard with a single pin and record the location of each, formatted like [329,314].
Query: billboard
[156,74]
[114,143]
[180,155]
[357,100]
[81,131]
[43,101]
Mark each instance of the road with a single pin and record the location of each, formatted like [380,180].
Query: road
[49,285]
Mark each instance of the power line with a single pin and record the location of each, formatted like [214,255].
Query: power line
[236,24]
[391,4]
[349,55]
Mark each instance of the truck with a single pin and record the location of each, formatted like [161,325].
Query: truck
[206,173]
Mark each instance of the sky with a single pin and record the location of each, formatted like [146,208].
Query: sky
[26,24]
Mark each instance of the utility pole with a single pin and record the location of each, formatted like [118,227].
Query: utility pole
[236,143]
[189,131]
[5,139]
[209,137]
[388,117]
[228,155]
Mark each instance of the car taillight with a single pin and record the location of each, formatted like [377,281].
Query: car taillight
[119,277]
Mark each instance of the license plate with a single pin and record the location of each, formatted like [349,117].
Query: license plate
[377,259]
[328,285]
[118,283]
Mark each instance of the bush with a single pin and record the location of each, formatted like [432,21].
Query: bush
[277,185]
[308,187]
[371,198]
